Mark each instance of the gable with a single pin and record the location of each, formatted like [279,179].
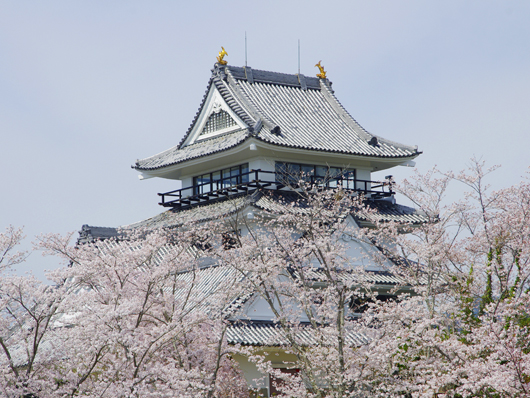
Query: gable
[363,254]
[258,309]
[215,118]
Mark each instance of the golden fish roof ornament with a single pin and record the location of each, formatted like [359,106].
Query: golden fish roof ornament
[322,73]
[221,56]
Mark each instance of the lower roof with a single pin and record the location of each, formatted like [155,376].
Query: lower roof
[210,277]
[270,334]
[268,201]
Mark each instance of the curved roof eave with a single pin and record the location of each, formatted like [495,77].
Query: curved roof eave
[249,136]
[362,155]
[244,137]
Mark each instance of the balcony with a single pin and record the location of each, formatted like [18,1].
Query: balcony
[259,179]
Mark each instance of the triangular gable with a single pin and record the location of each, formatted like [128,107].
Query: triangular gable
[215,118]
[364,254]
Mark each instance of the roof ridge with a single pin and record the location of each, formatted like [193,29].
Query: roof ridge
[270,77]
[261,70]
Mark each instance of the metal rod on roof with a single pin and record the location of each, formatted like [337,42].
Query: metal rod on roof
[298,56]
[245,48]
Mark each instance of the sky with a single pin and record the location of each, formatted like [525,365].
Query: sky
[88,87]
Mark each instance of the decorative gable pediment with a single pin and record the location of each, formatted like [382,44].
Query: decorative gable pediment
[219,120]
[216,118]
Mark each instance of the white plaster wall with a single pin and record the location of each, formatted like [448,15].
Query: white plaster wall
[363,254]
[187,182]
[262,164]
[363,174]
[255,379]
[259,310]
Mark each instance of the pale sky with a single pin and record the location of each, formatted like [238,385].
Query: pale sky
[87,87]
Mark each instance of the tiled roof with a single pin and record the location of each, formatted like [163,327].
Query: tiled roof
[384,210]
[313,119]
[204,286]
[213,210]
[388,211]
[360,276]
[287,110]
[271,334]
[208,285]
[261,200]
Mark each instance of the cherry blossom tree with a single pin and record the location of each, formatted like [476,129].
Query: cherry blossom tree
[466,333]
[462,329]
[126,317]
[27,310]
[297,262]
[136,315]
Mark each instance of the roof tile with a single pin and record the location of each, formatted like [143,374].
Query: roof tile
[271,334]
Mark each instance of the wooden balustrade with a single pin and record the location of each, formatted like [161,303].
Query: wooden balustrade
[261,179]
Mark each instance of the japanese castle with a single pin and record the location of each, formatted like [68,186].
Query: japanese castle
[254,128]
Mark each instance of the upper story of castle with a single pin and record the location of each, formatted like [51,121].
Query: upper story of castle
[254,125]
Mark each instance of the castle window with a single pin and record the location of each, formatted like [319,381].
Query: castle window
[292,173]
[219,179]
[359,305]
[230,240]
[218,121]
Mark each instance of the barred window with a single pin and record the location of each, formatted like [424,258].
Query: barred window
[218,121]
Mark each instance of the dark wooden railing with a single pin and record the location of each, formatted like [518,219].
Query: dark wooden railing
[257,179]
